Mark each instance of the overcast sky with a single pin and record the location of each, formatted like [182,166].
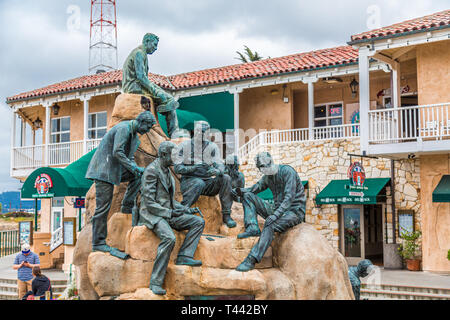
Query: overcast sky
[42,44]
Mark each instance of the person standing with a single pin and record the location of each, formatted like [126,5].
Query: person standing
[24,263]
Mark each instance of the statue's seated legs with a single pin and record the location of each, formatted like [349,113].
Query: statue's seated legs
[104,194]
[163,229]
[171,121]
[192,188]
[254,205]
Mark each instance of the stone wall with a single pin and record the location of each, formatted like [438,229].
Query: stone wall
[319,162]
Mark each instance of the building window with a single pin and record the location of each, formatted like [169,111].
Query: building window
[60,131]
[330,114]
[97,125]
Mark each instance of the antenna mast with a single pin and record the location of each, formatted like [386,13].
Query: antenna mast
[103,36]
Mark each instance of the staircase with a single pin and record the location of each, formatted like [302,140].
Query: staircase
[398,292]
[8,288]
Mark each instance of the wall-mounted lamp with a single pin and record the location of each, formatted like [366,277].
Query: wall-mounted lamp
[354,87]
[37,123]
[55,109]
[285,98]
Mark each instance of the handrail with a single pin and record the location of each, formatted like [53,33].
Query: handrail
[277,137]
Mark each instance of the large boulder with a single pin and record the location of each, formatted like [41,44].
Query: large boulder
[317,270]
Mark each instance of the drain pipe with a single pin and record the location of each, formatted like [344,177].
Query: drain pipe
[394,226]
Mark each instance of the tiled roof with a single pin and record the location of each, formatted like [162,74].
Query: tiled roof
[268,67]
[423,24]
[85,82]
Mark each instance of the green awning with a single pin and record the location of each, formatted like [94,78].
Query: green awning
[442,191]
[186,120]
[340,192]
[67,182]
[218,108]
[268,195]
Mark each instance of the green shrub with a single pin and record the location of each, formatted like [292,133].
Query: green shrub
[408,249]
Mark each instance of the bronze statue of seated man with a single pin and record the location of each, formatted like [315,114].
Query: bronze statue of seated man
[161,213]
[287,211]
[203,172]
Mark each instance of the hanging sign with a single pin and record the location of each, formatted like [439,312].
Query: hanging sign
[43,184]
[356,174]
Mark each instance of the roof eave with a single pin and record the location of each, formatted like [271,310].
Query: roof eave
[397,35]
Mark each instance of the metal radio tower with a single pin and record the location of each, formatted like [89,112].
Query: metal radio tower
[103,36]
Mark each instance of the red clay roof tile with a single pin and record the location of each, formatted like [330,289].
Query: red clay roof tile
[439,19]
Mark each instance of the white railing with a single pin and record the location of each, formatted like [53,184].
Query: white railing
[92,144]
[28,157]
[277,137]
[346,131]
[58,154]
[418,123]
[57,239]
[64,153]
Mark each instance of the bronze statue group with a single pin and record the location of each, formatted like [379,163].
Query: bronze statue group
[202,172]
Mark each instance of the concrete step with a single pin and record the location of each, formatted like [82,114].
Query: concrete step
[55,283]
[400,295]
[6,295]
[411,289]
[9,287]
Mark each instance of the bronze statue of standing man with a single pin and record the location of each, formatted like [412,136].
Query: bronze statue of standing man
[113,163]
[135,80]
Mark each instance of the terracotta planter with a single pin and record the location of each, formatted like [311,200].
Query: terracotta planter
[413,264]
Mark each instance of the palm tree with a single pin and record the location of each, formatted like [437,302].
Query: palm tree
[251,56]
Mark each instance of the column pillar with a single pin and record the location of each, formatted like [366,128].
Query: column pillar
[85,123]
[23,132]
[364,99]
[236,122]
[311,110]
[47,134]
[13,140]
[310,83]
[396,86]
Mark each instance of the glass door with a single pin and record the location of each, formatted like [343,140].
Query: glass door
[352,246]
[56,223]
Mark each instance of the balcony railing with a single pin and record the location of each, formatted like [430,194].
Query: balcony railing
[58,154]
[277,137]
[409,124]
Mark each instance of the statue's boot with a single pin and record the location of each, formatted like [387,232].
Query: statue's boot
[158,290]
[187,261]
[226,218]
[101,248]
[252,231]
[247,265]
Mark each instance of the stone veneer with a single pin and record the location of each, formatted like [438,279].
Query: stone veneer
[319,162]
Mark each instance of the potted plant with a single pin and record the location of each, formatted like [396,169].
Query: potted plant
[408,249]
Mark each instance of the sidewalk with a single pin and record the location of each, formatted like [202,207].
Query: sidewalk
[7,272]
[412,278]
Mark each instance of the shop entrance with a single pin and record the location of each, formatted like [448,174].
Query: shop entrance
[57,214]
[361,229]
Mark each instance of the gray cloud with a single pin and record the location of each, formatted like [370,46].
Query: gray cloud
[37,48]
